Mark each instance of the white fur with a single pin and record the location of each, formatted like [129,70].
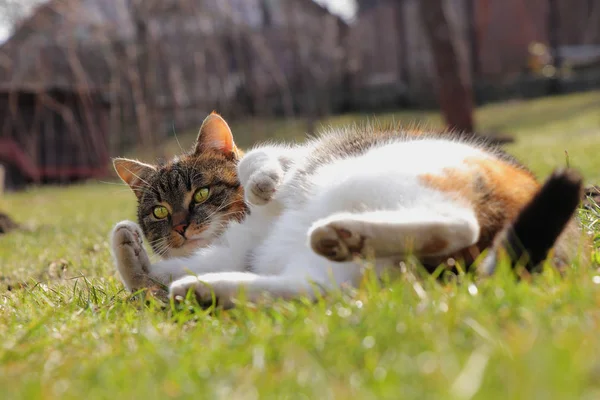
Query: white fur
[373,203]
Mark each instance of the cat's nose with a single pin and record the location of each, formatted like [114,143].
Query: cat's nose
[180,229]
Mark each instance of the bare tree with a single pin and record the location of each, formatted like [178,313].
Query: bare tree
[554,86]
[111,75]
[455,92]
[138,57]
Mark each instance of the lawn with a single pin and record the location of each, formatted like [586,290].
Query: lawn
[70,331]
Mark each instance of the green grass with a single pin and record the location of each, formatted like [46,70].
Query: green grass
[70,331]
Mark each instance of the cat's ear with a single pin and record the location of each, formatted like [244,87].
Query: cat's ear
[215,136]
[133,173]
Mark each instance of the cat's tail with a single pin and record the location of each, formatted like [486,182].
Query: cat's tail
[530,237]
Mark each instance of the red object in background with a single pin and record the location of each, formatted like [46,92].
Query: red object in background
[11,153]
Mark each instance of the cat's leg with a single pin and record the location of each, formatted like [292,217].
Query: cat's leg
[137,272]
[420,232]
[261,185]
[262,170]
[227,286]
[133,263]
[130,257]
[300,273]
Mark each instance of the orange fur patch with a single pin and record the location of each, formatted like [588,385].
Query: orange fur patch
[495,189]
[434,245]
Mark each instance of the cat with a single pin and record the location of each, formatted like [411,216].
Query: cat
[187,202]
[317,209]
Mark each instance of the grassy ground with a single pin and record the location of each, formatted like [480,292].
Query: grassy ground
[69,331]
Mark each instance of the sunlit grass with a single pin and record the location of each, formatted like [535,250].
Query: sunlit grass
[70,331]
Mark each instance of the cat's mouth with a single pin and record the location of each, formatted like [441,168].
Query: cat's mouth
[198,237]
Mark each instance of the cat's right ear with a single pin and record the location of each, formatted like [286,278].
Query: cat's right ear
[133,173]
[215,136]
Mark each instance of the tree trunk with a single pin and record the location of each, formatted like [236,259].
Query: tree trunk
[554,86]
[455,92]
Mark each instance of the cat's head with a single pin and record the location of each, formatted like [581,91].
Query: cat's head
[186,203]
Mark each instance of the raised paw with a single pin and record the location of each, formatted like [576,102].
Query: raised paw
[204,289]
[336,242]
[262,185]
[130,256]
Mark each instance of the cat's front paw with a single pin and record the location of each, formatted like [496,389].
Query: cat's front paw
[206,290]
[130,256]
[260,173]
[263,184]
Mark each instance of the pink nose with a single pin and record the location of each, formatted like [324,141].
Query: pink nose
[180,228]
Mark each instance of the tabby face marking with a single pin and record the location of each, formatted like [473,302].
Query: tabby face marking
[189,224]
[186,203]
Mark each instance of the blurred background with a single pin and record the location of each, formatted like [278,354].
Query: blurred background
[84,80]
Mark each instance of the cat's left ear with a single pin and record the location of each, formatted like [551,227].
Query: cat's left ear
[134,173]
[215,136]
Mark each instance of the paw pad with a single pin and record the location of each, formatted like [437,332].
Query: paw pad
[337,243]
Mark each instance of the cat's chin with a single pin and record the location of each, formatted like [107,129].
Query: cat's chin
[188,248]
[194,244]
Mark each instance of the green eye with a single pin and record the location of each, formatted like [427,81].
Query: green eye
[201,195]
[160,212]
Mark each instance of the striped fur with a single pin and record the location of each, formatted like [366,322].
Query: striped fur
[212,164]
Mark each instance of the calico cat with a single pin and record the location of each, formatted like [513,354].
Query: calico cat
[317,209]
[186,203]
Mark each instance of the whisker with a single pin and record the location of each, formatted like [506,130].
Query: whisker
[158,240]
[137,176]
[222,206]
[114,183]
[162,249]
[195,163]
[176,138]
[230,214]
[120,191]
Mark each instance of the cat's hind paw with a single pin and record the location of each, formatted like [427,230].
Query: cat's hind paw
[130,256]
[337,240]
